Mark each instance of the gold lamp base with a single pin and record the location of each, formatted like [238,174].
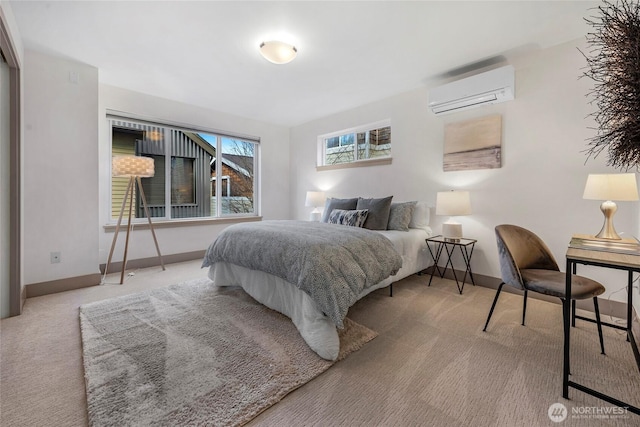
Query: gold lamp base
[608,208]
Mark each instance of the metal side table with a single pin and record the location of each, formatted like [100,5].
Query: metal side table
[441,243]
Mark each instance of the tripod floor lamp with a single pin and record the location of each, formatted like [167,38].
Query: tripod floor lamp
[133,167]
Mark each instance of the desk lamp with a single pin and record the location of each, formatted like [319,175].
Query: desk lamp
[610,187]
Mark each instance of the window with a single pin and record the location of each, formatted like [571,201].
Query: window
[182,181]
[359,144]
[187,165]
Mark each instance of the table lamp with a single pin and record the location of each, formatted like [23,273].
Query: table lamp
[315,199]
[621,187]
[133,167]
[453,203]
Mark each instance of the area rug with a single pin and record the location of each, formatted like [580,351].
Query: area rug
[194,354]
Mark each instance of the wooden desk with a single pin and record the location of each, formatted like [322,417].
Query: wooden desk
[597,257]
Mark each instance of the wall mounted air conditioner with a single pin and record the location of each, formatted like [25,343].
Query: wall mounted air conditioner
[490,87]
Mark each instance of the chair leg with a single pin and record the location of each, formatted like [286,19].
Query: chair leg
[495,300]
[573,313]
[597,309]
[524,306]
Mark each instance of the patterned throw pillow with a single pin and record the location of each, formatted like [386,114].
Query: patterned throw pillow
[354,218]
[331,204]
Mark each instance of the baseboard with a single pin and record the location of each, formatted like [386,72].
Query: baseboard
[607,307]
[71,283]
[61,285]
[153,261]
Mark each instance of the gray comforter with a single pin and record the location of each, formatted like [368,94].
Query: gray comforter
[331,263]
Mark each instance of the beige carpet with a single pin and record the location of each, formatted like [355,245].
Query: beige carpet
[431,364]
[194,354]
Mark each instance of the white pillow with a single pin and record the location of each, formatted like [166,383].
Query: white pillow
[420,217]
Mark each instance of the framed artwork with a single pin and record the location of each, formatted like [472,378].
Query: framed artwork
[473,144]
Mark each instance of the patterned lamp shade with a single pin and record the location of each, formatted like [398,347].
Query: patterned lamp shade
[132,166]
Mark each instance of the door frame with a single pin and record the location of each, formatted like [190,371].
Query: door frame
[17,292]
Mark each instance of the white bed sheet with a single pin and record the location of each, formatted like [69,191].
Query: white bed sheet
[318,330]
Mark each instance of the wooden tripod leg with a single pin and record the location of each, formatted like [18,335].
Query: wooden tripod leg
[115,235]
[146,211]
[126,242]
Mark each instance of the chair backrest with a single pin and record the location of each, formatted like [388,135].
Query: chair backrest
[520,249]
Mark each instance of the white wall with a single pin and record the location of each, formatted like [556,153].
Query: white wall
[60,168]
[67,169]
[273,170]
[543,172]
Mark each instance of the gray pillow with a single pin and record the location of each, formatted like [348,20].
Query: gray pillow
[400,215]
[353,218]
[378,216]
[331,204]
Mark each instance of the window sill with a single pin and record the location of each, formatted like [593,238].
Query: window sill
[174,223]
[358,164]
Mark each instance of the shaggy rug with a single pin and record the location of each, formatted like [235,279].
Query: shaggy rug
[194,354]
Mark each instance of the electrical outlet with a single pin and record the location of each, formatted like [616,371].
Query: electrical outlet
[56,257]
[74,76]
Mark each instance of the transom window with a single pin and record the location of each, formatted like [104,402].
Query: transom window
[187,166]
[363,143]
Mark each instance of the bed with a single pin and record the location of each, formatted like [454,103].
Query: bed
[236,258]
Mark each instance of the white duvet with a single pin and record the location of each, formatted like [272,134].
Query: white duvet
[318,330]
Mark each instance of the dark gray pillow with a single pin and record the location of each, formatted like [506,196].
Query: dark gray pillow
[378,216]
[400,215]
[331,204]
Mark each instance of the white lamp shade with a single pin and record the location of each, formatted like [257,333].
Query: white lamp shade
[127,166]
[453,203]
[314,198]
[615,187]
[278,52]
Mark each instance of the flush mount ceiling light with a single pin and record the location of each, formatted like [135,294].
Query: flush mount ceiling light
[278,52]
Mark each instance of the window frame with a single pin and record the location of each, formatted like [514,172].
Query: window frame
[133,120]
[323,151]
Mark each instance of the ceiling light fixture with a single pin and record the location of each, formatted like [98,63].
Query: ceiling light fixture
[278,52]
